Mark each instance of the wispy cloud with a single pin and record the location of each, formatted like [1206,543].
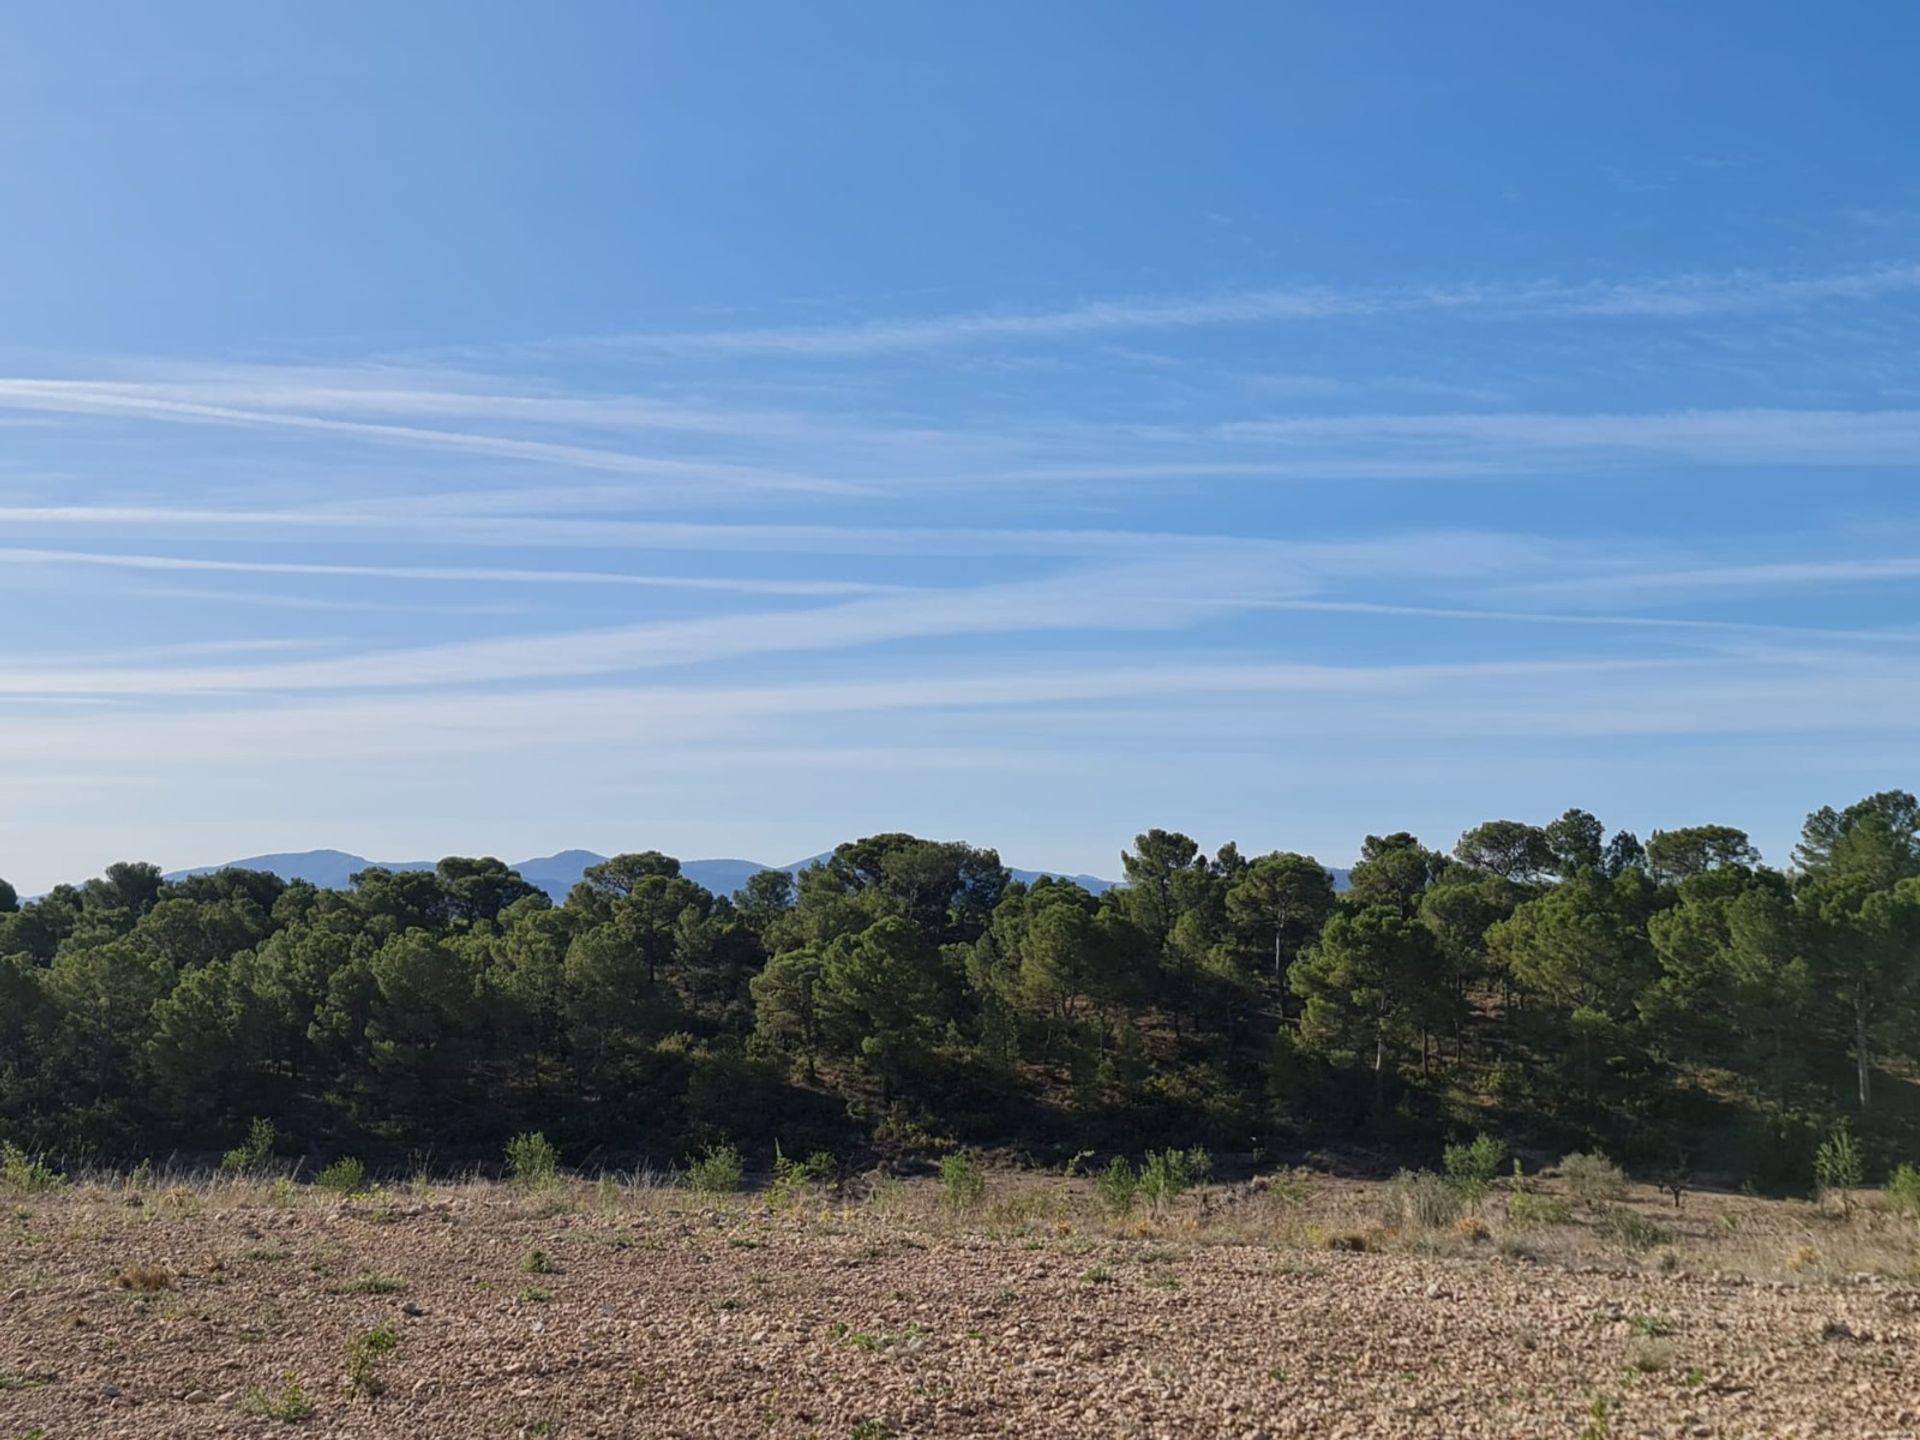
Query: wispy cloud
[1671,297]
[110,399]
[453,574]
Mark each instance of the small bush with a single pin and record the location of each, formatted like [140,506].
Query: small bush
[145,1279]
[1627,1230]
[1165,1175]
[255,1157]
[1903,1190]
[345,1176]
[364,1353]
[716,1170]
[791,1177]
[1525,1208]
[1593,1179]
[1422,1199]
[1117,1186]
[531,1159]
[963,1184]
[1838,1168]
[1471,1167]
[26,1174]
[290,1405]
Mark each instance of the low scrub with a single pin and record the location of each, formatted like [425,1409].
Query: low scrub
[1420,1199]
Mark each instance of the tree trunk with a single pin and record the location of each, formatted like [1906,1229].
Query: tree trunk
[1862,1058]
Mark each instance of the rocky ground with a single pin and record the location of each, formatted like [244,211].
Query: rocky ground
[610,1311]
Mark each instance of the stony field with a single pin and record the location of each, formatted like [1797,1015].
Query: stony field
[575,1310]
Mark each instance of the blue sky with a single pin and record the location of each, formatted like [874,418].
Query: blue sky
[734,428]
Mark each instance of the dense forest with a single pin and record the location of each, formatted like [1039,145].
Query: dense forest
[1677,1002]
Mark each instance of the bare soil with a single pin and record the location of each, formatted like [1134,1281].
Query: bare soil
[183,1312]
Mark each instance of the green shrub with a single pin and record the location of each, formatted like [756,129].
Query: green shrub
[1117,1186]
[1903,1190]
[345,1176]
[531,1159]
[1593,1179]
[963,1184]
[791,1177]
[716,1170]
[1165,1175]
[1628,1230]
[26,1174]
[1525,1208]
[1838,1168]
[255,1157]
[290,1405]
[364,1353]
[1471,1167]
[1422,1199]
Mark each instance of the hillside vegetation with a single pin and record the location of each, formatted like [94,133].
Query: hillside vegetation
[1676,1002]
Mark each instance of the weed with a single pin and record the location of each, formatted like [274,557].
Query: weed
[535,1295]
[27,1174]
[540,1263]
[1618,1226]
[1420,1198]
[1599,1424]
[1117,1186]
[1804,1258]
[1526,1208]
[1470,1168]
[255,1156]
[141,1176]
[1650,1326]
[264,1253]
[963,1184]
[145,1279]
[872,1430]
[1593,1179]
[371,1285]
[1837,1166]
[1650,1357]
[1903,1190]
[345,1176]
[1167,1174]
[290,1404]
[532,1160]
[1161,1280]
[791,1177]
[716,1170]
[364,1353]
[1098,1275]
[1472,1229]
[11,1381]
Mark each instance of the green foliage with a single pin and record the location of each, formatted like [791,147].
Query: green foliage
[791,1177]
[1903,1190]
[345,1176]
[1420,1199]
[288,1404]
[963,1184]
[26,1174]
[1118,1187]
[716,1170]
[1626,1229]
[1471,1167]
[1165,1175]
[364,1354]
[255,1157]
[1526,1209]
[906,995]
[1592,1178]
[532,1160]
[1838,1167]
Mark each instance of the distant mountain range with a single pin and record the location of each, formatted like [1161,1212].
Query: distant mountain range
[555,874]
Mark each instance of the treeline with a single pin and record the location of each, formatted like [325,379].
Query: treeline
[1675,1001]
